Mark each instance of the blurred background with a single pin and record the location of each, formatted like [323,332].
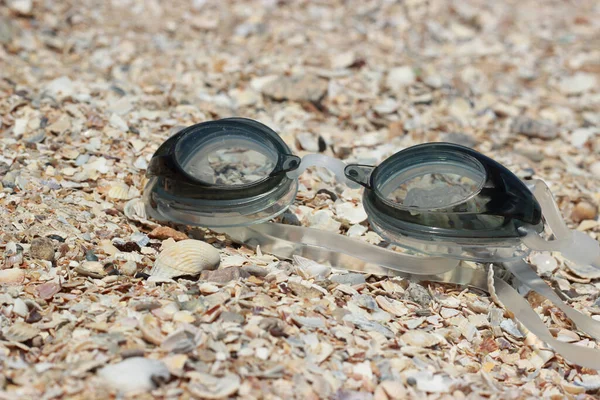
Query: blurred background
[369,76]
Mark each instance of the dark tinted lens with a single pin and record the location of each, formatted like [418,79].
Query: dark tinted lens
[231,161]
[431,190]
[430,183]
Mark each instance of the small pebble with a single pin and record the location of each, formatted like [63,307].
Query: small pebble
[418,294]
[533,128]
[90,256]
[584,210]
[296,88]
[289,218]
[42,249]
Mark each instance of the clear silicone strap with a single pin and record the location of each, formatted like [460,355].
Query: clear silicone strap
[528,277]
[574,245]
[287,240]
[580,355]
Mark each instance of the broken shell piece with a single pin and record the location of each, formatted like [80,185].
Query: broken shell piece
[135,374]
[350,213]
[12,276]
[13,255]
[392,306]
[48,290]
[135,210]
[567,336]
[20,332]
[311,269]
[20,308]
[119,191]
[93,269]
[212,387]
[420,339]
[187,257]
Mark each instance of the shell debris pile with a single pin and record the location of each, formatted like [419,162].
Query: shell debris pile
[98,298]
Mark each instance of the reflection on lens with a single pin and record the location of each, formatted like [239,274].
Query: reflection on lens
[430,191]
[229,166]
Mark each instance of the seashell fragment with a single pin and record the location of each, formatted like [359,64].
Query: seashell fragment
[392,306]
[20,332]
[13,255]
[48,290]
[212,387]
[20,308]
[93,269]
[119,191]
[311,269]
[12,276]
[135,210]
[420,339]
[350,213]
[187,257]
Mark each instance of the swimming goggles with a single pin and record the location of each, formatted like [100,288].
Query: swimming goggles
[448,205]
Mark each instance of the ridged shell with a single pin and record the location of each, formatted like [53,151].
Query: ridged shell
[135,210]
[119,191]
[187,257]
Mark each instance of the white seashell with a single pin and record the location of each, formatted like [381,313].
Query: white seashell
[186,257]
[20,308]
[135,210]
[119,191]
[135,374]
[12,276]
